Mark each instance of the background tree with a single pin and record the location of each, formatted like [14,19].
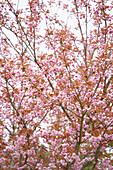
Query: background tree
[56,83]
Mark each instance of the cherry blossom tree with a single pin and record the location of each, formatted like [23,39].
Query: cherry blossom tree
[56,85]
